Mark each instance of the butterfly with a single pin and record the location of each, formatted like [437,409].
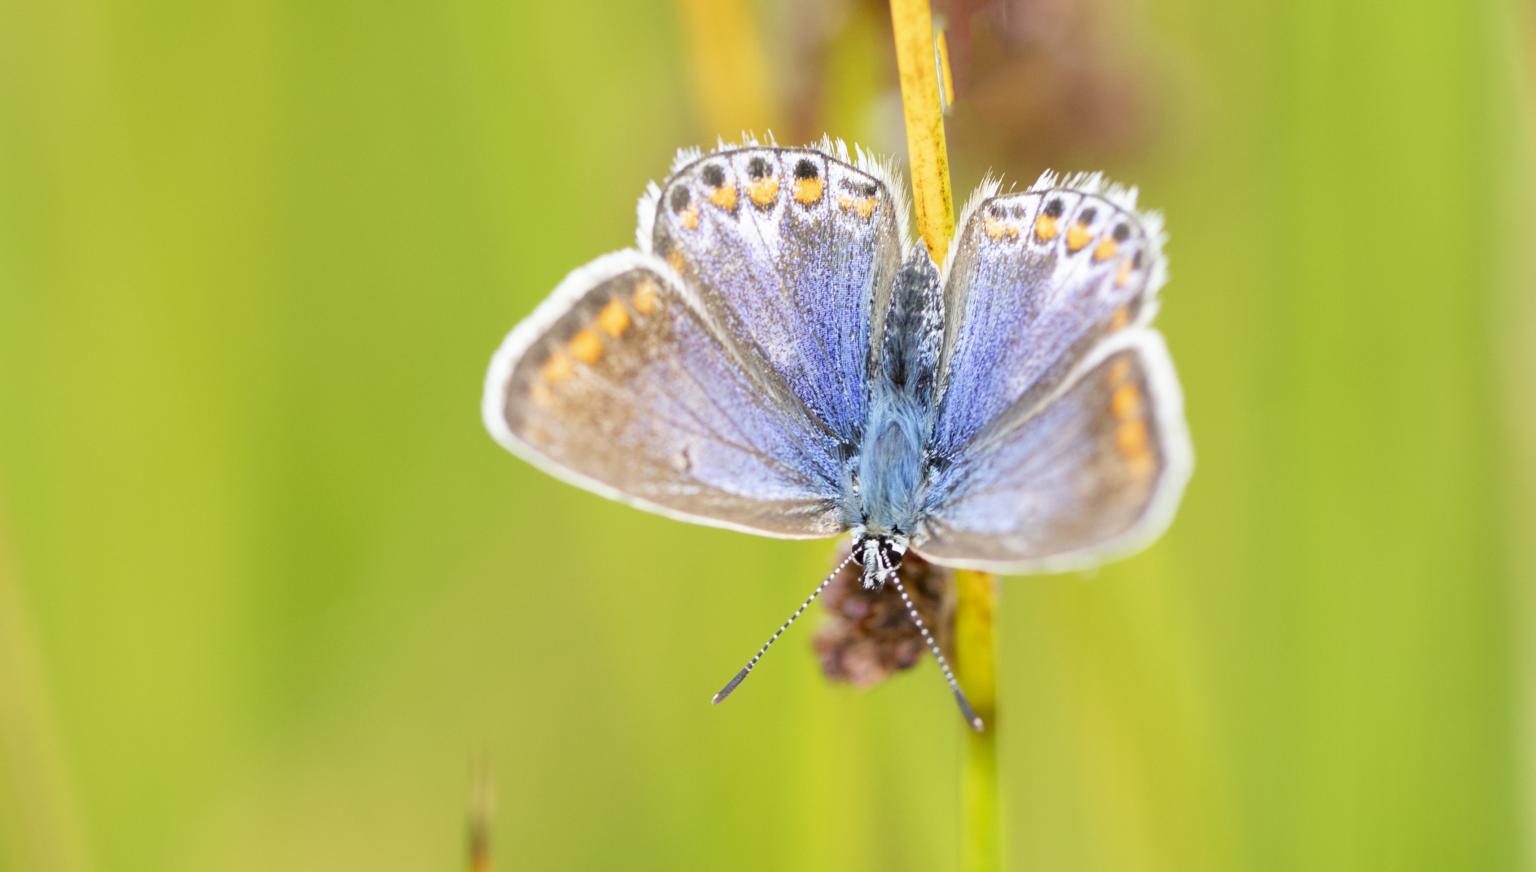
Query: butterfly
[777,356]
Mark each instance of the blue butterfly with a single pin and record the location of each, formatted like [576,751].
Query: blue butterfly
[776,356]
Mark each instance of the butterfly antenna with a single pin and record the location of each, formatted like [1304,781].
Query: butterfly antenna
[965,705]
[746,670]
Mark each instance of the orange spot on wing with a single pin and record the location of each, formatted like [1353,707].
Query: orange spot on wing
[764,191]
[1120,319]
[724,197]
[586,347]
[1078,236]
[1105,249]
[690,218]
[997,230]
[614,318]
[808,191]
[863,207]
[646,300]
[557,369]
[1131,437]
[1125,402]
[1046,228]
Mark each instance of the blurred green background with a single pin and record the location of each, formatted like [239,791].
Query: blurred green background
[270,597]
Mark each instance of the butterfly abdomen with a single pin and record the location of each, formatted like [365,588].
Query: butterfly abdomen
[891,457]
[890,467]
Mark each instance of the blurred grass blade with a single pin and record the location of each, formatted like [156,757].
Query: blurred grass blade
[732,88]
[975,667]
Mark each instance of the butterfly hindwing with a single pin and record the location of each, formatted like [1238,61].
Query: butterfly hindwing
[619,383]
[1094,471]
[792,251]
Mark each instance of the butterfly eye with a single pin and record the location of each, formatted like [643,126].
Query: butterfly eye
[1122,233]
[679,198]
[757,167]
[1087,215]
[714,176]
[1054,208]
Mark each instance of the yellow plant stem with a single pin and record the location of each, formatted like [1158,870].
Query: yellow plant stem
[927,157]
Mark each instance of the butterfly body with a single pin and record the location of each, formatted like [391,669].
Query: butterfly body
[885,497]
[776,356]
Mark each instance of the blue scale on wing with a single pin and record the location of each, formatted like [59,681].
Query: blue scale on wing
[621,384]
[696,390]
[1059,435]
[1096,470]
[790,251]
[1037,279]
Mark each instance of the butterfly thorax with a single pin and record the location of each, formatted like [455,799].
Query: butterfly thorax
[892,457]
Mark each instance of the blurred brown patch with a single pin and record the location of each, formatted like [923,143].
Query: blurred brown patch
[1047,81]
[1038,82]
[868,635]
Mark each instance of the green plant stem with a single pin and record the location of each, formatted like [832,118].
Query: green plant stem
[975,650]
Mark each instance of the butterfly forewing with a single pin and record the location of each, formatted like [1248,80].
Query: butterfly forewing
[620,383]
[1094,472]
[792,252]
[1059,439]
[1037,278]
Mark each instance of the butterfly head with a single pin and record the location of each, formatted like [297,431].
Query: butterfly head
[879,555]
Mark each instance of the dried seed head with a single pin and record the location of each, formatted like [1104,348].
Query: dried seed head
[868,636]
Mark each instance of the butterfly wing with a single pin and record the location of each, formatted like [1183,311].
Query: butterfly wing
[1060,435]
[1095,471]
[621,384]
[792,251]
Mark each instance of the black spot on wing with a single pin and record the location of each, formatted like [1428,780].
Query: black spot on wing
[679,197]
